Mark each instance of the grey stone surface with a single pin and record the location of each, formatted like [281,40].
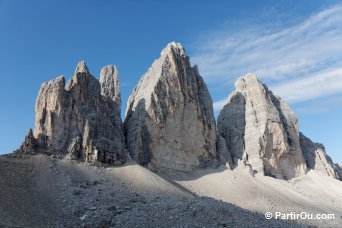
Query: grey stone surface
[110,84]
[223,153]
[80,118]
[30,145]
[169,121]
[338,169]
[317,159]
[261,130]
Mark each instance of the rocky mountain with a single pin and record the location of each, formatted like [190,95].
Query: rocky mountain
[260,130]
[170,125]
[316,158]
[169,121]
[80,118]
[169,128]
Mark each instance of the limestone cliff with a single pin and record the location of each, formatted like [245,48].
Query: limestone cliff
[261,130]
[80,118]
[317,159]
[169,121]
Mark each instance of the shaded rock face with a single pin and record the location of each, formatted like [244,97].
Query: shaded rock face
[30,145]
[223,153]
[260,129]
[338,169]
[231,129]
[169,121]
[317,159]
[80,118]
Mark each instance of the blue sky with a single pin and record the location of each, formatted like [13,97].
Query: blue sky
[295,47]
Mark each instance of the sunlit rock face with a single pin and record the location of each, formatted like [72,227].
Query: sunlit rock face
[169,121]
[80,118]
[261,130]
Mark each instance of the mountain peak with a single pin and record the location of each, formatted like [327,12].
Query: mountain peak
[174,47]
[170,105]
[109,68]
[247,80]
[81,68]
[264,130]
[110,83]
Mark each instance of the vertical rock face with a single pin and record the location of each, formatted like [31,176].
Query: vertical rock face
[338,169]
[317,159]
[224,155]
[81,118]
[231,129]
[260,129]
[169,121]
[110,84]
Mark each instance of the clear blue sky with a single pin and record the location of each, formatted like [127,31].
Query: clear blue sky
[294,46]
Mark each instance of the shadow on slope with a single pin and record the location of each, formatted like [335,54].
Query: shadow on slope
[41,191]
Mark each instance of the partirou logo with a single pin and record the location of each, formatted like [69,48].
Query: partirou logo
[298,215]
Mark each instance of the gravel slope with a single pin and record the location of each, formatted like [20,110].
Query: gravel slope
[42,191]
[312,193]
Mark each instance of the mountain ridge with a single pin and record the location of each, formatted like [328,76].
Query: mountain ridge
[169,123]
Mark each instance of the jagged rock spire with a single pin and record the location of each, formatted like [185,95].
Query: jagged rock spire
[81,68]
[78,120]
[169,121]
[261,130]
[110,83]
[175,48]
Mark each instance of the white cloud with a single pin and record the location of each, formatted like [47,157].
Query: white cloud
[307,88]
[322,105]
[299,63]
[218,105]
[327,82]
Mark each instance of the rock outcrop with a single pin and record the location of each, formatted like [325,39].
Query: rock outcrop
[317,159]
[81,118]
[29,146]
[261,130]
[169,121]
